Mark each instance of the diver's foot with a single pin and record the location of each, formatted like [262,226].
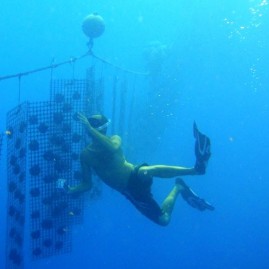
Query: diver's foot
[202,150]
[192,198]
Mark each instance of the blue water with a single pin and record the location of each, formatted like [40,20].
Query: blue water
[218,55]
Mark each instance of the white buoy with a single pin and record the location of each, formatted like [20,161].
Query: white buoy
[93,25]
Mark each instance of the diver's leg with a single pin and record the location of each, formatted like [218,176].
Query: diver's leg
[192,198]
[202,153]
[166,171]
[168,205]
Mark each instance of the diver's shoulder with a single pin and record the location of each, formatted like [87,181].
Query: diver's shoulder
[116,142]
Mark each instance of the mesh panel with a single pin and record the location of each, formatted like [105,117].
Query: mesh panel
[48,160]
[1,144]
[56,141]
[70,97]
[52,138]
[16,184]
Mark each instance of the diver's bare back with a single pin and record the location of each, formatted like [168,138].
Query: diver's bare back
[110,167]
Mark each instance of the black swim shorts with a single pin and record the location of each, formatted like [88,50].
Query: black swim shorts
[139,193]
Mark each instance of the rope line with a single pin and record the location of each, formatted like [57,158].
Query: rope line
[51,66]
[70,61]
[118,67]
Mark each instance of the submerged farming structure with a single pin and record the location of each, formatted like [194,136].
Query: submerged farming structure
[43,143]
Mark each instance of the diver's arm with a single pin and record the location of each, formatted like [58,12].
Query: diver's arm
[112,144]
[86,183]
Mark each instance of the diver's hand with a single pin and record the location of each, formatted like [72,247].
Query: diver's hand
[62,186]
[83,119]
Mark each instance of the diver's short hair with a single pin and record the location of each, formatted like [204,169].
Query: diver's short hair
[98,121]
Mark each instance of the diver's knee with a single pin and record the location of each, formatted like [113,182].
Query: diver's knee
[164,220]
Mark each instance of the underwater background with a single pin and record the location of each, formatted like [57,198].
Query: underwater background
[216,65]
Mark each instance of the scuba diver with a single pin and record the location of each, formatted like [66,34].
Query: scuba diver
[105,157]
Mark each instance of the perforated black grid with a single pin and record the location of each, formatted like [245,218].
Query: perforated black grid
[1,144]
[55,155]
[71,97]
[53,141]
[16,185]
[48,208]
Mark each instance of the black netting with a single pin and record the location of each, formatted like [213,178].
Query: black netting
[54,143]
[49,160]
[52,138]
[44,141]
[1,144]
[16,185]
[69,98]
[55,140]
